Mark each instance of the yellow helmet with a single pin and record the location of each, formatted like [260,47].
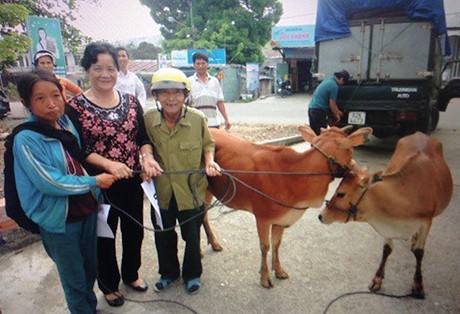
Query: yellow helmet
[169,78]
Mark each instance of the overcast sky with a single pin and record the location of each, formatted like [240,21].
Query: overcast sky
[126,19]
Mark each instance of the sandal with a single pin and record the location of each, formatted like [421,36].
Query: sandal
[193,286]
[119,300]
[163,284]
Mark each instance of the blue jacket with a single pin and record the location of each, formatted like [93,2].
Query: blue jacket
[42,181]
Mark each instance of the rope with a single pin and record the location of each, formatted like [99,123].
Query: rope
[365,292]
[231,181]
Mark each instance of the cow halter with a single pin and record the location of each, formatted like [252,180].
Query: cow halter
[352,211]
[341,171]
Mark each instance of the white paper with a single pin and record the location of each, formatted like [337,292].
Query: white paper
[103,229]
[149,190]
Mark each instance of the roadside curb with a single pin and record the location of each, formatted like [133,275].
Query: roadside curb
[284,141]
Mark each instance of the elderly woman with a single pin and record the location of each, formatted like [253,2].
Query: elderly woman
[182,142]
[55,190]
[112,130]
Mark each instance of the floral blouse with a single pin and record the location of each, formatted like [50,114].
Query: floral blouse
[115,133]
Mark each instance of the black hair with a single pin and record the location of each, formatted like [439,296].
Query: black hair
[343,74]
[27,80]
[93,50]
[200,56]
[122,49]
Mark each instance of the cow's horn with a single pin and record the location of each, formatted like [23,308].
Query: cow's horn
[347,129]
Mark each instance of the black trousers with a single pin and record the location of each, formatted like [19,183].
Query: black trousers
[166,242]
[127,195]
[318,119]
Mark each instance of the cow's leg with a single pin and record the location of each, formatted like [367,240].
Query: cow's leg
[207,227]
[277,236]
[263,229]
[377,281]
[418,248]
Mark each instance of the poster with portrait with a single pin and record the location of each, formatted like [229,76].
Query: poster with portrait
[252,76]
[46,35]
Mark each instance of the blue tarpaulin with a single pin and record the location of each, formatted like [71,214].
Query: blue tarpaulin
[332,15]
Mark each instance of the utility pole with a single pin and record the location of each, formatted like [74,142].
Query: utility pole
[191,23]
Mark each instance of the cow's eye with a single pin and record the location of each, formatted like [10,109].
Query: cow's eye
[340,195]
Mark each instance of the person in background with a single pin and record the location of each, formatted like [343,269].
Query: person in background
[206,94]
[45,60]
[127,81]
[55,190]
[182,142]
[323,106]
[112,130]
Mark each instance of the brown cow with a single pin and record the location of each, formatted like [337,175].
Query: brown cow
[400,203]
[277,184]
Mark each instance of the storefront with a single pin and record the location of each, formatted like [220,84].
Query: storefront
[297,46]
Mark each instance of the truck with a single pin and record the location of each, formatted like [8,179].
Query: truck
[393,51]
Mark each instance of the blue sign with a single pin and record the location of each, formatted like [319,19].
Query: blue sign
[216,56]
[181,58]
[294,36]
[299,53]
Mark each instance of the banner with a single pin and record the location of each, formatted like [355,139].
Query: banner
[252,76]
[46,35]
[183,58]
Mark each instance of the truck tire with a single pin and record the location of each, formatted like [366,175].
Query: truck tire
[434,118]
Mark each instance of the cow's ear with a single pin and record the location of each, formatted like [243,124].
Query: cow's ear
[307,133]
[358,137]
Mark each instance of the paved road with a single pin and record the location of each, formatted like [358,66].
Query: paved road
[323,261]
[271,110]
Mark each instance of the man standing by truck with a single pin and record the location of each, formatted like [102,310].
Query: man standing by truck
[323,106]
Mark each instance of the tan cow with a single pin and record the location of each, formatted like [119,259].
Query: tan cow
[277,184]
[400,203]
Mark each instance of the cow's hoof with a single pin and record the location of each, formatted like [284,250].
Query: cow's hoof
[417,292]
[266,283]
[216,247]
[281,274]
[376,284]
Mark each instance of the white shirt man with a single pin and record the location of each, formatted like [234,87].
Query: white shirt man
[127,81]
[206,94]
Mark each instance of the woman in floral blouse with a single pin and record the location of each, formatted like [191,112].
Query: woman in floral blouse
[112,131]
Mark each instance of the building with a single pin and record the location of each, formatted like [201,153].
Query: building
[297,46]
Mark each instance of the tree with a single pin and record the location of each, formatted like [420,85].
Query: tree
[242,27]
[145,51]
[12,42]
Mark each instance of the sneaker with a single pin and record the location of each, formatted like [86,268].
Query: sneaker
[193,286]
[163,284]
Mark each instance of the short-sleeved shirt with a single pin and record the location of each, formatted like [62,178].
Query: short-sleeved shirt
[131,84]
[328,89]
[205,96]
[181,149]
[67,85]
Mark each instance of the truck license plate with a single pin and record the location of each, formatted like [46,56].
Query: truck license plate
[356,117]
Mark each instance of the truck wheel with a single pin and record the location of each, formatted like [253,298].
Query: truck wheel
[434,118]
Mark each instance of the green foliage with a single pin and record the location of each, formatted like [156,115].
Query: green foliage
[241,27]
[11,42]
[145,51]
[12,92]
